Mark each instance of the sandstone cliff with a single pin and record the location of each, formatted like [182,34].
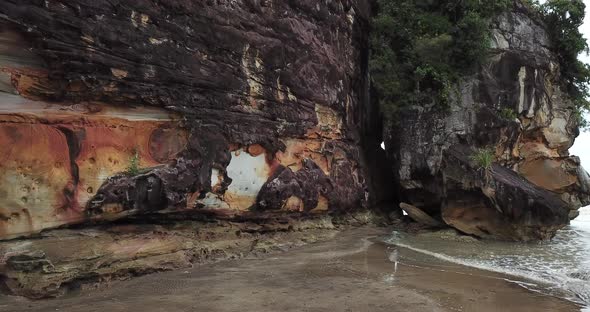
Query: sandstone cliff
[236,108]
[229,106]
[535,186]
[255,112]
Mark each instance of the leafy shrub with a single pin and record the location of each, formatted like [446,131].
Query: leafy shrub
[508,113]
[483,158]
[133,167]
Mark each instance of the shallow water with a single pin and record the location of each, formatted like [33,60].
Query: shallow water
[560,267]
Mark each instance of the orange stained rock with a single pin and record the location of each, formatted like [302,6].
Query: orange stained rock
[297,150]
[255,150]
[550,174]
[35,179]
[60,155]
[293,203]
[323,205]
[534,149]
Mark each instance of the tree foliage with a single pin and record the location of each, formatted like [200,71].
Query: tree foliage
[421,47]
[563,19]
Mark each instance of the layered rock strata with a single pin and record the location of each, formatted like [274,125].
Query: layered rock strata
[252,114]
[515,107]
[66,260]
[119,108]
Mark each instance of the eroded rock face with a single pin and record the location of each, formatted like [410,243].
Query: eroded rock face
[522,76]
[498,202]
[64,260]
[216,98]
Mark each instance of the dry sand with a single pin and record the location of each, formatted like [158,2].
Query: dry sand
[352,272]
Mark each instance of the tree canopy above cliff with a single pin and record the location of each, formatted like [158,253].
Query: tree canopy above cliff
[563,19]
[420,48]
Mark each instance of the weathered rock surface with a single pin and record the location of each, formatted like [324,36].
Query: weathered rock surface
[218,99]
[66,260]
[250,114]
[431,147]
[498,202]
[419,216]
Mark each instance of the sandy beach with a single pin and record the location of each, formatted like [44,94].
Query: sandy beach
[353,272]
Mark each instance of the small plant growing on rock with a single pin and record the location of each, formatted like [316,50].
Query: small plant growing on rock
[483,158]
[508,113]
[133,168]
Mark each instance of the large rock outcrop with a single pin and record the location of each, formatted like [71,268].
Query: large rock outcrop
[225,106]
[254,114]
[535,187]
[240,118]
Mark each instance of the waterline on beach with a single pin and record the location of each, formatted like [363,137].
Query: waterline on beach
[560,267]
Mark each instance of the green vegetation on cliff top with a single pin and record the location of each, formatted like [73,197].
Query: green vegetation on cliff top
[420,48]
[563,19]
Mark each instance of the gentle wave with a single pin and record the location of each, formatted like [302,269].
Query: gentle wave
[576,290]
[560,267]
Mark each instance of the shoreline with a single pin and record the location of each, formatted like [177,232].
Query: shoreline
[506,292]
[352,272]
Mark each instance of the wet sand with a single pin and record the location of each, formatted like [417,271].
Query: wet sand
[353,272]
